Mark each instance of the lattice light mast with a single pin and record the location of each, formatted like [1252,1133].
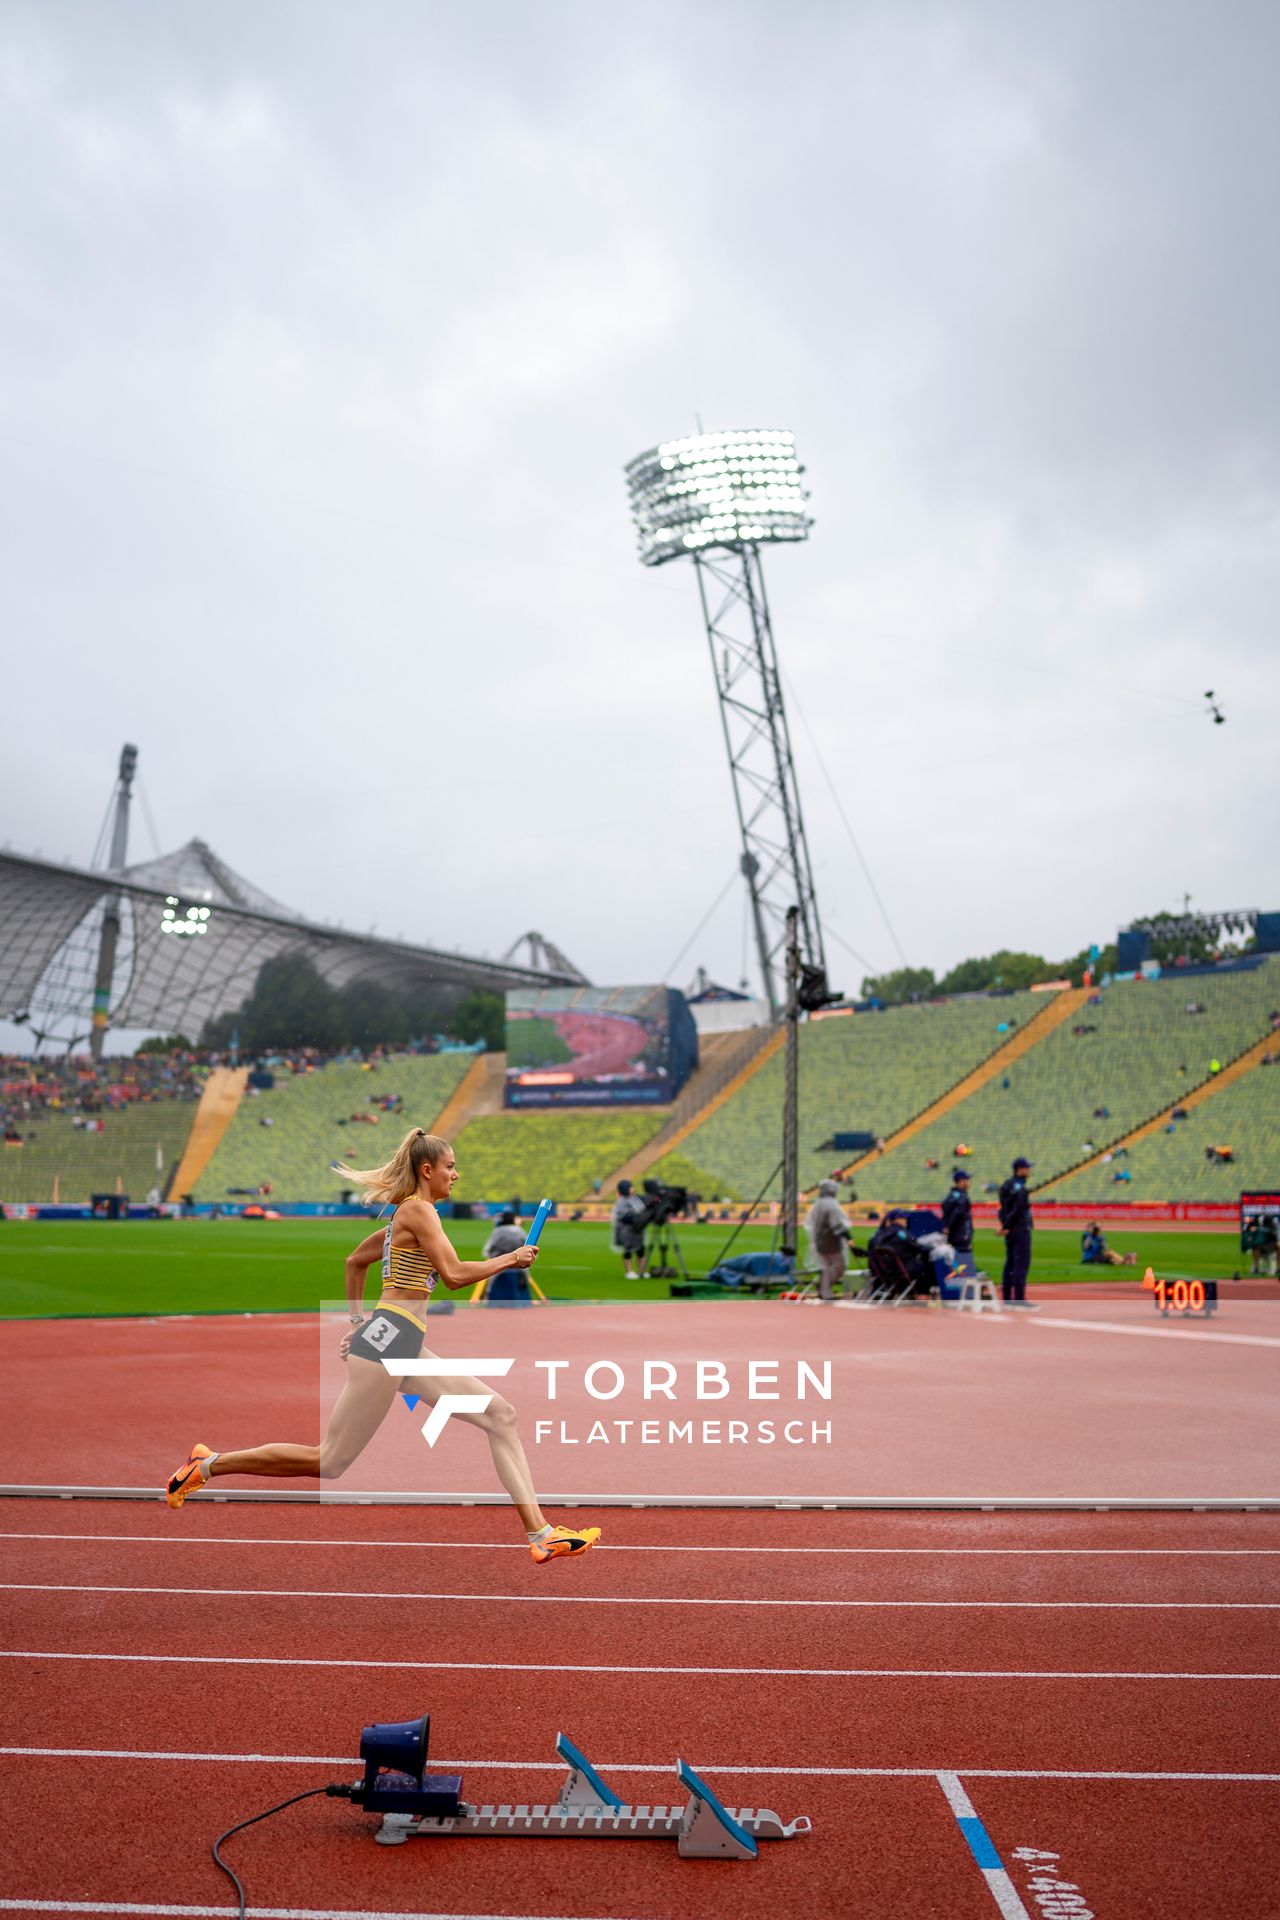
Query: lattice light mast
[110,936]
[718,498]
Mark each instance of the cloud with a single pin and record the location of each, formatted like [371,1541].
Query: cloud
[325,340]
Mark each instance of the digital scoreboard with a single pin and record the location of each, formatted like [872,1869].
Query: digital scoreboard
[1179,1295]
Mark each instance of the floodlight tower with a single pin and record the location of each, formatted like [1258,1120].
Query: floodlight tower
[718,498]
[111,913]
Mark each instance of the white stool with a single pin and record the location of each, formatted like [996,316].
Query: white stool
[978,1294]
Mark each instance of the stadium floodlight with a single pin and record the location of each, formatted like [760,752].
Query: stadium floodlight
[717,490]
[717,499]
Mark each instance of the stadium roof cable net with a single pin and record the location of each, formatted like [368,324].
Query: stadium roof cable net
[51,914]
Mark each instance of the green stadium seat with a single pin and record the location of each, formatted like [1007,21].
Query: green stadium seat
[557,1154]
[871,1072]
[1142,1050]
[1174,1166]
[132,1139]
[311,1125]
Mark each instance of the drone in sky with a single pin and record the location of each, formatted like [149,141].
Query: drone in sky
[1219,717]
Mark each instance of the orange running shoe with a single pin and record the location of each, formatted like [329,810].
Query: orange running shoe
[188,1478]
[562,1540]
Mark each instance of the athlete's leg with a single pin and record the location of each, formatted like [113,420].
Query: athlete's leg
[499,1426]
[360,1410]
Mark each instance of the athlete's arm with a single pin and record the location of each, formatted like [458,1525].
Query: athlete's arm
[358,1264]
[424,1223]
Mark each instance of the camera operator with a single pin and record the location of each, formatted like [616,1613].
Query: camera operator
[630,1215]
[506,1236]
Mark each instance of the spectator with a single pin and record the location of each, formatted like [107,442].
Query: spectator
[957,1220]
[628,1222]
[1095,1252]
[1215,1066]
[828,1232]
[1015,1228]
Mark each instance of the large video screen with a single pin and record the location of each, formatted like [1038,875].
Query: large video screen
[596,1046]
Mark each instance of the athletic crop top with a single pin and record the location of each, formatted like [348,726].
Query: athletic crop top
[407,1267]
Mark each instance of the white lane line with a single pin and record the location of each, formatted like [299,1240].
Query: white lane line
[640,1600]
[257,1913]
[345,1761]
[981,1846]
[558,1666]
[1162,1333]
[518,1546]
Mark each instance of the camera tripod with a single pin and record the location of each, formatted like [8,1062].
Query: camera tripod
[662,1244]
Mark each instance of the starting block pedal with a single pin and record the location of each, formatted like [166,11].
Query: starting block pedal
[588,1808]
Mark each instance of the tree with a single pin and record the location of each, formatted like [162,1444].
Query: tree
[895,989]
[291,1006]
[372,1015]
[1004,969]
[166,1043]
[482,1016]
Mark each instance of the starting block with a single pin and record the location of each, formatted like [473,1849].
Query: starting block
[587,1808]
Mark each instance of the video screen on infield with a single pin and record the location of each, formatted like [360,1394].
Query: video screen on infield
[595,1046]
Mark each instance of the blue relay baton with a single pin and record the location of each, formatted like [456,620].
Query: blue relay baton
[539,1222]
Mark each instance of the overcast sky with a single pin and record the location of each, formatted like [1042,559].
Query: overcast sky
[327,332]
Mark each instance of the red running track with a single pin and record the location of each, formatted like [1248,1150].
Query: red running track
[1103,1686]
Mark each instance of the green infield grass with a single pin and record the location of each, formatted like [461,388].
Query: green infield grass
[241,1266]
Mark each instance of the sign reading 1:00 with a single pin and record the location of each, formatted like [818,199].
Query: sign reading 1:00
[1182,1296]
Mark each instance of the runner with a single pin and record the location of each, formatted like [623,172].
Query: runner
[415,1253]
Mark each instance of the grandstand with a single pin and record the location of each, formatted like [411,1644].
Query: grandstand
[870,1073]
[559,1154]
[1244,1116]
[311,1125]
[1134,1052]
[138,1147]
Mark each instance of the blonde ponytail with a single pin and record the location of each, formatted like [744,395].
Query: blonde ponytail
[398,1180]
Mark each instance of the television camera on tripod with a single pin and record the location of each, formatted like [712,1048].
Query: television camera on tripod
[661,1205]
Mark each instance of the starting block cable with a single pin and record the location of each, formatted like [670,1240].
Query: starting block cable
[334,1792]
[416,1804]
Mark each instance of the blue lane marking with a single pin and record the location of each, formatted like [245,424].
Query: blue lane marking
[980,1845]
